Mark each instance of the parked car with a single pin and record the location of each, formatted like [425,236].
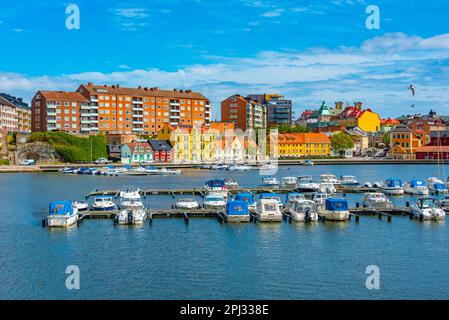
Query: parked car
[102,161]
[28,162]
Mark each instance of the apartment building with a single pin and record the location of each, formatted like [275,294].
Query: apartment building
[15,115]
[243,112]
[62,111]
[279,109]
[118,110]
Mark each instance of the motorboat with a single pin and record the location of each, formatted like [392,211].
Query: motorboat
[376,200]
[305,184]
[216,186]
[130,193]
[231,184]
[267,166]
[219,167]
[289,182]
[83,170]
[163,171]
[293,196]
[273,196]
[303,211]
[327,187]
[335,209]
[267,210]
[427,209]
[69,170]
[214,201]
[416,187]
[104,203]
[444,203]
[186,203]
[248,198]
[131,203]
[236,211]
[308,163]
[239,167]
[131,216]
[62,214]
[329,178]
[81,205]
[392,187]
[436,186]
[319,198]
[349,181]
[270,182]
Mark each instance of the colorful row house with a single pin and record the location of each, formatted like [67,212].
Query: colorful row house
[296,145]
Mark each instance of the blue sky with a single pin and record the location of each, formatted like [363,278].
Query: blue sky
[309,50]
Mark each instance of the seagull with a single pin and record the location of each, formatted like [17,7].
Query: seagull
[413,106]
[412,89]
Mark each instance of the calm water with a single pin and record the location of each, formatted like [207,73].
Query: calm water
[208,260]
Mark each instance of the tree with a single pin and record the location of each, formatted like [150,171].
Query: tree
[386,139]
[285,128]
[340,142]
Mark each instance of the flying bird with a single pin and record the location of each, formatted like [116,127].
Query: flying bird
[413,106]
[412,89]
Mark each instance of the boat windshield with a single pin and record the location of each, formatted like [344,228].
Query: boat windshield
[302,207]
[428,203]
[269,207]
[214,199]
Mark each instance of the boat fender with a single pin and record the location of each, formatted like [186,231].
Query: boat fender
[357,205]
[407,204]
[290,219]
[44,223]
[323,219]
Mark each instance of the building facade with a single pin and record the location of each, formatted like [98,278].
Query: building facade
[15,115]
[244,113]
[404,142]
[138,151]
[296,145]
[162,150]
[114,109]
[279,109]
[355,116]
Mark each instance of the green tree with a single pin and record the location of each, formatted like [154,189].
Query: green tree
[285,128]
[340,142]
[386,139]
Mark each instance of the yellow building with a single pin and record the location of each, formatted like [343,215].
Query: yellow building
[190,144]
[303,145]
[352,117]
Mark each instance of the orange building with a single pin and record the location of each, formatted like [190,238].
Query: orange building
[114,109]
[303,145]
[243,112]
[404,142]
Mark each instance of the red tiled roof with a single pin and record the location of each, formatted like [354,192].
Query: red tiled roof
[63,95]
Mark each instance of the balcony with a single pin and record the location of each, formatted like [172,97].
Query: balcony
[94,120]
[137,102]
[137,122]
[93,99]
[174,123]
[94,106]
[174,110]
[52,121]
[51,106]
[51,113]
[175,104]
[85,128]
[85,121]
[137,129]
[94,128]
[137,108]
[137,115]
[93,114]
[85,107]
[174,116]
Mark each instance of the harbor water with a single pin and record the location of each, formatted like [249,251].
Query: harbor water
[209,260]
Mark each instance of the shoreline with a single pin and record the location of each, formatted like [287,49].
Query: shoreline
[354,161]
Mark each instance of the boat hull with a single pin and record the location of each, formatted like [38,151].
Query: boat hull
[269,217]
[335,215]
[57,221]
[236,218]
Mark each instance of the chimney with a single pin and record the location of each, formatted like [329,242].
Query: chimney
[339,105]
[140,87]
[358,105]
[90,84]
[117,86]
[155,88]
[146,89]
[113,86]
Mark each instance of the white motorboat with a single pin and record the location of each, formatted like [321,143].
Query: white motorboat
[219,167]
[428,209]
[289,181]
[305,184]
[81,205]
[349,181]
[444,203]
[392,187]
[216,186]
[335,209]
[214,201]
[130,193]
[327,187]
[267,166]
[239,167]
[131,216]
[320,198]
[436,186]
[267,210]
[416,187]
[329,178]
[104,203]
[270,182]
[186,203]
[293,197]
[303,211]
[376,200]
[231,184]
[62,214]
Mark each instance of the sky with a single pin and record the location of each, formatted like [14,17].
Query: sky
[310,51]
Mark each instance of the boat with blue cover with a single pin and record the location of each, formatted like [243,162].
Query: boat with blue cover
[216,186]
[416,187]
[271,195]
[393,186]
[335,209]
[62,214]
[236,211]
[248,198]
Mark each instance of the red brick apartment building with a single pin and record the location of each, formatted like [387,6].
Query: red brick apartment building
[115,109]
[244,113]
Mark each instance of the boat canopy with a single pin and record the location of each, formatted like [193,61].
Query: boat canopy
[60,207]
[215,183]
[269,195]
[394,183]
[237,207]
[417,183]
[334,204]
[294,195]
[439,186]
[247,197]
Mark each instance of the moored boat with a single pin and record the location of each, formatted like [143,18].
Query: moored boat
[305,184]
[289,181]
[186,203]
[231,184]
[267,210]
[135,216]
[236,211]
[427,209]
[303,211]
[104,203]
[392,186]
[273,196]
[248,198]
[376,200]
[349,181]
[81,205]
[216,186]
[62,214]
[329,178]
[292,197]
[416,187]
[214,201]
[270,182]
[335,209]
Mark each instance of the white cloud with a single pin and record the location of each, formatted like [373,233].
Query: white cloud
[273,13]
[378,73]
[132,12]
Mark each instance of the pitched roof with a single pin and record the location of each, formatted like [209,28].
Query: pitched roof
[144,91]
[134,144]
[5,102]
[160,145]
[289,138]
[63,95]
